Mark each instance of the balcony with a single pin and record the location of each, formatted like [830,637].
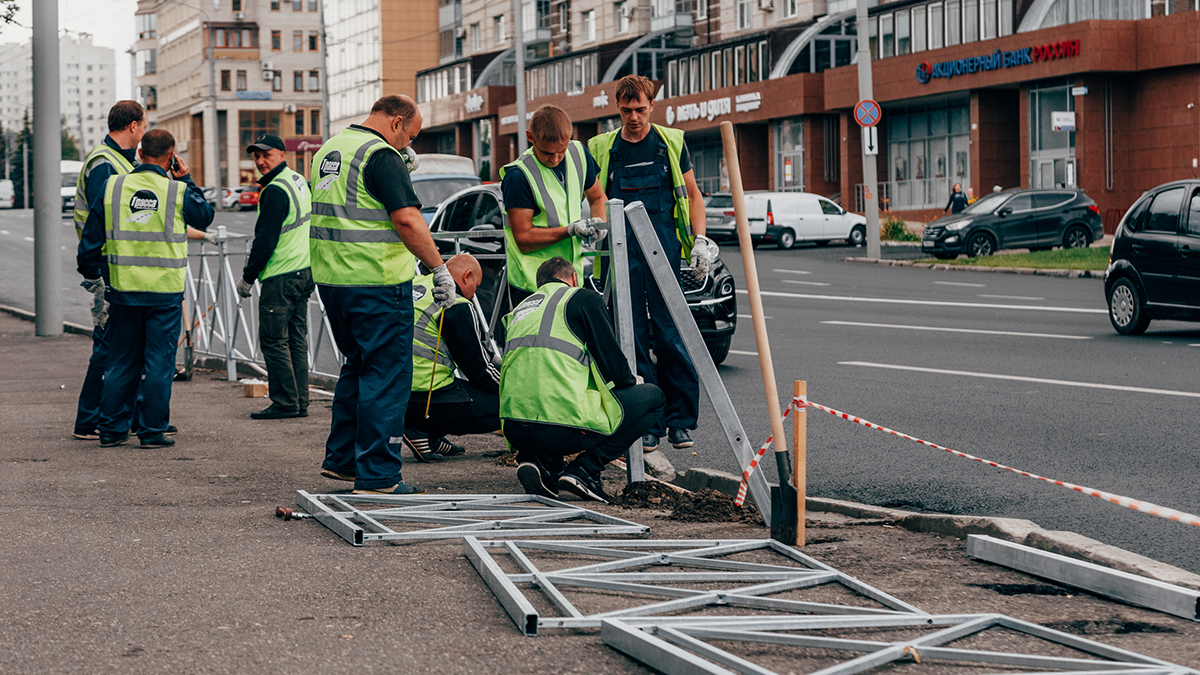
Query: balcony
[672,21]
[450,15]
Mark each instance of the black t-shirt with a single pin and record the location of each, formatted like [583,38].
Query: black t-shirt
[633,154]
[518,193]
[387,178]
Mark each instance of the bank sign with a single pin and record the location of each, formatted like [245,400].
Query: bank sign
[996,60]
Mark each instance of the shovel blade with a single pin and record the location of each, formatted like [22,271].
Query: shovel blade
[785,516]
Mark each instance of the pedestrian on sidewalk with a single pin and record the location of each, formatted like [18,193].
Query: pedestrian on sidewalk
[279,259]
[140,227]
[366,229]
[958,200]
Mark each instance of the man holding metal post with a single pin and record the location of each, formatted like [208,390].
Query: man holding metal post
[650,163]
[446,341]
[566,388]
[135,242]
[543,194]
[279,259]
[367,233]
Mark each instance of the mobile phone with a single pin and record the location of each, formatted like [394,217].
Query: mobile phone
[174,164]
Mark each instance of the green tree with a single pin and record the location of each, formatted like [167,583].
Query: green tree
[24,138]
[70,149]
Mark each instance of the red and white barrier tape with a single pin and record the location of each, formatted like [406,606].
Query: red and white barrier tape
[797,403]
[1136,504]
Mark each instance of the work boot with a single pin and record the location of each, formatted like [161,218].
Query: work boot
[108,440]
[535,480]
[86,434]
[400,488]
[583,487]
[157,441]
[649,442]
[447,449]
[420,447]
[679,438]
[272,412]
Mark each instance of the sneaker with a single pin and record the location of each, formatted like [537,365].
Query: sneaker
[679,438]
[333,475]
[531,477]
[86,434]
[649,443]
[583,487]
[400,488]
[421,450]
[157,441]
[447,449]
[109,440]
[273,413]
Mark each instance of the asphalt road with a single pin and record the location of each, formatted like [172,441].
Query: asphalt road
[1039,381]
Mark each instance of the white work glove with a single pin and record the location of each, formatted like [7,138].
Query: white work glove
[601,233]
[410,159]
[245,288]
[99,304]
[443,287]
[585,230]
[211,236]
[702,257]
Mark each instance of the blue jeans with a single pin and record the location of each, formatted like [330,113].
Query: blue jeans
[142,342]
[87,415]
[373,328]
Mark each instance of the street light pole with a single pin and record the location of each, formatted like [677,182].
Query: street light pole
[325,73]
[47,139]
[866,93]
[519,50]
[210,38]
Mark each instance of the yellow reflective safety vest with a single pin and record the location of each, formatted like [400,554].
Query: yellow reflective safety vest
[429,364]
[601,148]
[547,375]
[292,251]
[560,206]
[145,236]
[352,240]
[96,157]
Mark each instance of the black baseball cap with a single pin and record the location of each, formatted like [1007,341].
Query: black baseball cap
[266,142]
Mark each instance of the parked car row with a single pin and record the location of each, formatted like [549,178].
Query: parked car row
[784,218]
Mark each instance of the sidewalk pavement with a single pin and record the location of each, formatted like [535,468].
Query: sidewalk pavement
[147,560]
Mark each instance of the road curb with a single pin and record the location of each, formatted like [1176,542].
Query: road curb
[26,315]
[1016,530]
[1028,271]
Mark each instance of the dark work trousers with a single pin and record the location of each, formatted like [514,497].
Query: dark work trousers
[283,337]
[480,415]
[87,415]
[142,342]
[373,328]
[641,404]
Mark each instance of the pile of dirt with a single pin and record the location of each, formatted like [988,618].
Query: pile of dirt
[506,459]
[710,506]
[647,494]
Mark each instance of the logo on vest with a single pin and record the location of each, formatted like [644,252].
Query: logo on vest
[526,308]
[143,204]
[418,293]
[300,184]
[330,169]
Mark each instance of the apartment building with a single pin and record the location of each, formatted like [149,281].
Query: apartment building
[375,49]
[87,87]
[264,76]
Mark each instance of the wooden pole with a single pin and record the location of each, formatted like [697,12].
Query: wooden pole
[800,452]
[781,529]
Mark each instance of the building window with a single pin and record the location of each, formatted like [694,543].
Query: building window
[476,38]
[274,5]
[254,123]
[277,80]
[237,38]
[970,21]
[237,5]
[312,5]
[146,26]
[314,80]
[701,9]
[297,40]
[887,37]
[498,29]
[298,80]
[953,22]
[918,29]
[622,12]
[312,41]
[745,14]
[589,26]
[299,128]
[224,80]
[314,122]
[903,33]
[241,80]
[297,5]
[276,41]
[564,17]
[989,20]
[936,26]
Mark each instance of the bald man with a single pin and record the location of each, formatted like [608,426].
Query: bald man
[459,406]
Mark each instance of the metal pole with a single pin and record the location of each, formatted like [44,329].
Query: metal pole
[47,218]
[228,305]
[325,72]
[212,99]
[866,92]
[25,172]
[519,52]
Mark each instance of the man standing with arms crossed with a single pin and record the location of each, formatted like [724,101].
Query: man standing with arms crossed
[366,228]
[649,163]
[279,258]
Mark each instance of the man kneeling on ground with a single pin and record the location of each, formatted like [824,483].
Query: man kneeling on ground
[566,388]
[459,407]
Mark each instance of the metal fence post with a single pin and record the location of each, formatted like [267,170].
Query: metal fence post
[618,276]
[225,288]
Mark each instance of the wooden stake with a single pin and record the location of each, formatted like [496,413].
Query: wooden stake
[800,452]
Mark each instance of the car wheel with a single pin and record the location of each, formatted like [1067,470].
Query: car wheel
[857,236]
[786,239]
[980,245]
[944,256]
[1125,309]
[1076,237]
[719,350]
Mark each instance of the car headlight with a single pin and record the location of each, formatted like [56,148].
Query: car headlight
[726,288]
[956,226]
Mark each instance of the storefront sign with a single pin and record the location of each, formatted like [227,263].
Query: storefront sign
[748,102]
[713,108]
[254,95]
[997,60]
[302,144]
[512,119]
[600,100]
[474,103]
[1062,121]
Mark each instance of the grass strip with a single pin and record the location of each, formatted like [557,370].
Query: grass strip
[1057,259]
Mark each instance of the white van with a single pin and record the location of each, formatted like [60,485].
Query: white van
[70,175]
[783,218]
[8,196]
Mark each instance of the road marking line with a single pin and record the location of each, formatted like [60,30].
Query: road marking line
[734,351]
[958,283]
[28,238]
[958,330]
[791,272]
[1019,378]
[747,316]
[935,303]
[1010,297]
[806,283]
[5,232]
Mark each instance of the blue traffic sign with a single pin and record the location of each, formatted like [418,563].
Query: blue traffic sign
[867,113]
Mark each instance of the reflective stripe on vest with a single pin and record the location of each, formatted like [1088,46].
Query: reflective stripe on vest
[547,375]
[351,237]
[291,251]
[146,242]
[102,154]
[559,205]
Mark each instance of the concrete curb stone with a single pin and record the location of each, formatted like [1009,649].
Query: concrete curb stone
[26,315]
[1068,274]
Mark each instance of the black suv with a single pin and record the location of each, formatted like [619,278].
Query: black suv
[1154,266]
[1035,219]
